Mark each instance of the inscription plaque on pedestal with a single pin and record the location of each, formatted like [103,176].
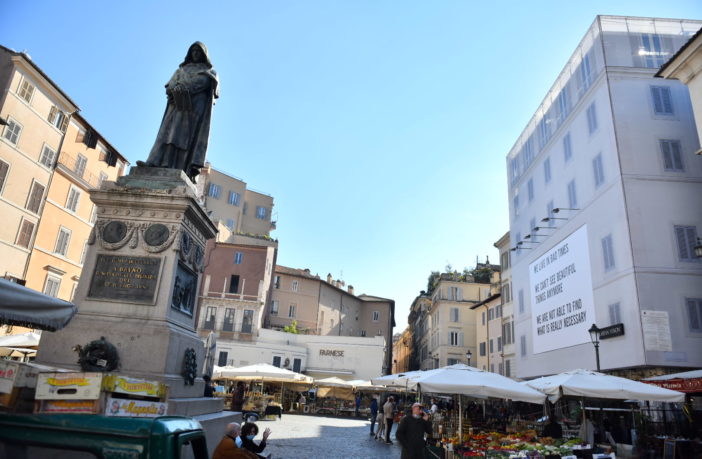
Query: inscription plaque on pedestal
[120,277]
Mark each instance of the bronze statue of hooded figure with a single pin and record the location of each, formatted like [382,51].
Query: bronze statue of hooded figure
[181,142]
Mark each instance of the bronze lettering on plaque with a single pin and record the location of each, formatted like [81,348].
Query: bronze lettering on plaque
[119,277]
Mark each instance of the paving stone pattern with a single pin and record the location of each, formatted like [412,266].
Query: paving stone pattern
[310,437]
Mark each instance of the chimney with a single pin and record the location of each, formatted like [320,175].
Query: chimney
[350,290]
[329,278]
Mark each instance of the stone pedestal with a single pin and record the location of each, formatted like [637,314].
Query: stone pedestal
[139,284]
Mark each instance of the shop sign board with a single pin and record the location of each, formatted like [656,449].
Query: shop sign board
[134,408]
[68,386]
[612,331]
[8,373]
[562,303]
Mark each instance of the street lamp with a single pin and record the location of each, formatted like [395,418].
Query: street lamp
[595,338]
[469,354]
[698,248]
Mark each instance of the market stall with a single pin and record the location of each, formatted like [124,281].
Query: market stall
[266,393]
[334,396]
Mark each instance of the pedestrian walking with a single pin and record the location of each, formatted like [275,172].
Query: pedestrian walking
[358,405]
[389,411]
[374,412]
[410,433]
[381,426]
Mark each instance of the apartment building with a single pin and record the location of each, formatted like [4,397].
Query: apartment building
[330,308]
[604,189]
[450,324]
[229,200]
[418,323]
[86,159]
[489,329]
[507,310]
[34,114]
[401,350]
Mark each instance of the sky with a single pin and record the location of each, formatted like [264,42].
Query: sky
[380,128]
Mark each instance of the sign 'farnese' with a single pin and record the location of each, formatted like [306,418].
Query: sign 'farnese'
[561,294]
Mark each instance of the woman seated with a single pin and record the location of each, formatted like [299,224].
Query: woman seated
[248,433]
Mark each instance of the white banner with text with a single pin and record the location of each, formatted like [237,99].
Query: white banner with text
[562,304]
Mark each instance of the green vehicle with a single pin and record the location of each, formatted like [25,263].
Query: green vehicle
[59,436]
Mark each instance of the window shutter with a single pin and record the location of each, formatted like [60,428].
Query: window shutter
[667,155]
[681,235]
[64,123]
[666,100]
[676,158]
[52,113]
[460,339]
[693,308]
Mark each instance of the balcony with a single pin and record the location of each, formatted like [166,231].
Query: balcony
[70,166]
[233,296]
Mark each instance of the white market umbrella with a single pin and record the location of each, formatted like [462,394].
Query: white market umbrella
[586,383]
[259,371]
[397,379]
[684,375]
[462,379]
[29,339]
[333,382]
[366,385]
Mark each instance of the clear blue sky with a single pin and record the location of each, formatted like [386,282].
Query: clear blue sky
[379,127]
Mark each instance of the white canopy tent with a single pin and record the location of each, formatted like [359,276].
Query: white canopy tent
[586,383]
[22,345]
[333,382]
[367,386]
[465,380]
[260,372]
[398,380]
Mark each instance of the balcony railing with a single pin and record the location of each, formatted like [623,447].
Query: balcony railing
[232,296]
[70,165]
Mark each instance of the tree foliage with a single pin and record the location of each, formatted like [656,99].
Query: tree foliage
[292,328]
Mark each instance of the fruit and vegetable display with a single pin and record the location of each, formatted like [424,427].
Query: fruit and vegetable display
[522,444]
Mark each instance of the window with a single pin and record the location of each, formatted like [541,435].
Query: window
[563,105]
[12,131]
[228,324]
[51,286]
[456,338]
[653,56]
[591,118]
[245,208]
[222,358]
[507,333]
[4,169]
[614,314]
[26,90]
[64,237]
[608,252]
[376,316]
[492,348]
[515,204]
[530,189]
[297,365]
[572,195]
[35,197]
[452,361]
[584,75]
[47,156]
[544,132]
[483,317]
[507,368]
[662,100]
[482,349]
[84,252]
[275,305]
[58,118]
[230,224]
[567,147]
[694,311]
[547,170]
[210,315]
[500,367]
[686,238]
[214,190]
[261,212]
[234,198]
[292,310]
[363,333]
[672,159]
[234,283]
[24,238]
[499,343]
[454,315]
[247,321]
[73,198]
[522,346]
[276,360]
[277,281]
[598,170]
[504,261]
[81,162]
[101,179]
[455,294]
[238,258]
[294,285]
[521,301]
[491,314]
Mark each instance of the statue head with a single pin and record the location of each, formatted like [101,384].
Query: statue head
[197,53]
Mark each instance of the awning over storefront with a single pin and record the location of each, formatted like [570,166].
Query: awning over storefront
[687,381]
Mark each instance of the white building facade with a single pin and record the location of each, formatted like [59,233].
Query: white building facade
[604,195]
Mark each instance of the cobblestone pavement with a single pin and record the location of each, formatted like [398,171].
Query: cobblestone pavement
[310,437]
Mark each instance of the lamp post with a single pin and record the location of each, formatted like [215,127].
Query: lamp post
[469,354]
[595,338]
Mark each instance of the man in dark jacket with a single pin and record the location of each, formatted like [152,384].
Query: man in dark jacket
[410,433]
[374,412]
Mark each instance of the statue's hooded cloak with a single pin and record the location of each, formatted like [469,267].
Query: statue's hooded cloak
[182,139]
